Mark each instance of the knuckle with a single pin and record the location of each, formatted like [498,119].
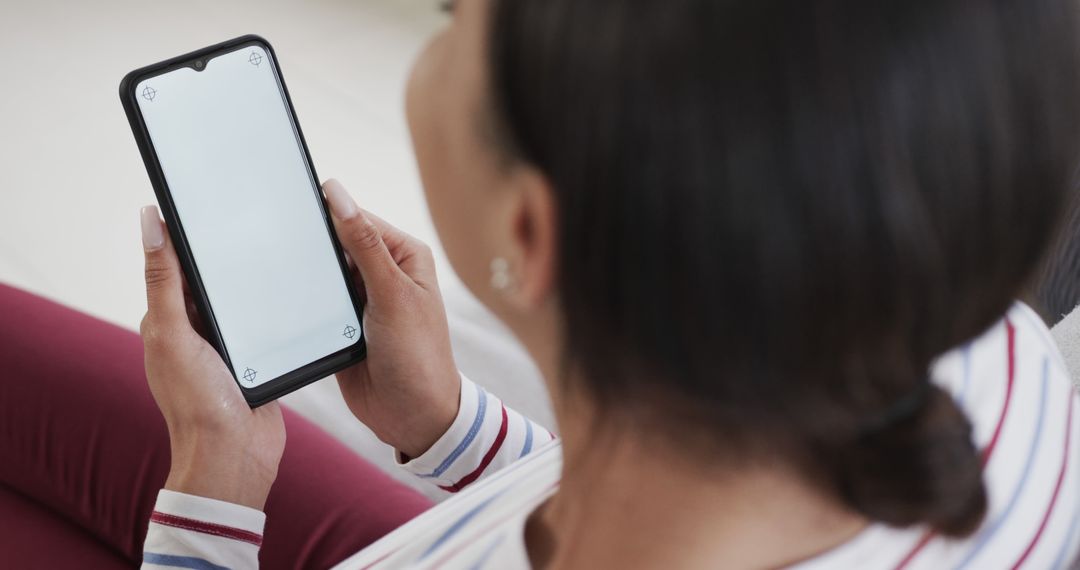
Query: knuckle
[165,340]
[424,251]
[152,334]
[158,335]
[364,234]
[157,273]
[146,327]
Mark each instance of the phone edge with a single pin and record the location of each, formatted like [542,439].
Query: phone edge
[295,379]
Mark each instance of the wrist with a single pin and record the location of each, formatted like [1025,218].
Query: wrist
[433,424]
[218,469]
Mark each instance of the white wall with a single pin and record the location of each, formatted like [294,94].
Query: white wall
[71,180]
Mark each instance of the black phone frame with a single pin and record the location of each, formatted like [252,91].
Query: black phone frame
[308,373]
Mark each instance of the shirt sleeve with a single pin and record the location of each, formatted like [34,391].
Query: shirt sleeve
[187,531]
[484,437]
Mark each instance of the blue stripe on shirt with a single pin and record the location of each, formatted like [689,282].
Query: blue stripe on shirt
[481,411]
[528,438]
[967,375]
[988,532]
[179,561]
[458,525]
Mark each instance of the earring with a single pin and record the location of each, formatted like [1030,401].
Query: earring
[501,280]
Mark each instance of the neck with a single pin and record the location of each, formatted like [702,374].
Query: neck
[626,503]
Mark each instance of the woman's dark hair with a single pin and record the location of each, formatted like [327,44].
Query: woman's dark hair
[774,214]
[1056,290]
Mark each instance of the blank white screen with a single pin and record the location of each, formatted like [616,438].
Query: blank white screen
[249,207]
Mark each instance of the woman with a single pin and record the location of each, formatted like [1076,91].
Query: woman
[740,240]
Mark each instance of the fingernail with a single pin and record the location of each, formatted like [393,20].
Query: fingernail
[342,205]
[152,235]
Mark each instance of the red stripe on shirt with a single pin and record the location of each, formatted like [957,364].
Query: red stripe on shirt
[207,528]
[1010,334]
[461,484]
[1010,331]
[381,558]
[1057,487]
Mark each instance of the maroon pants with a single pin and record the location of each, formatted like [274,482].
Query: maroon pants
[84,451]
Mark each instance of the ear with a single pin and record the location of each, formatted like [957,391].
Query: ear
[534,229]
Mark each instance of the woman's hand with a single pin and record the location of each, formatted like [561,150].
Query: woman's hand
[221,448]
[408,388]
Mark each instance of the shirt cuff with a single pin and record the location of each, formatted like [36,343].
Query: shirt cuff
[464,423]
[214,511]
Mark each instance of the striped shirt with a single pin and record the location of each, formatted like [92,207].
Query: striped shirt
[1010,381]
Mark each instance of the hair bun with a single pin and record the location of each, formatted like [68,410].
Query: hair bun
[917,467]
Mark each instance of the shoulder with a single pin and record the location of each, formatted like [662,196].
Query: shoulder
[1014,353]
[478,528]
[1013,384]
[1034,340]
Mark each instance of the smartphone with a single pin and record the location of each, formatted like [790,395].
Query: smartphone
[235,183]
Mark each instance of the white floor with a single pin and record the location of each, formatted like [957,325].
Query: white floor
[71,180]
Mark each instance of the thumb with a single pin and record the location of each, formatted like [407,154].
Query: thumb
[364,242]
[165,303]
